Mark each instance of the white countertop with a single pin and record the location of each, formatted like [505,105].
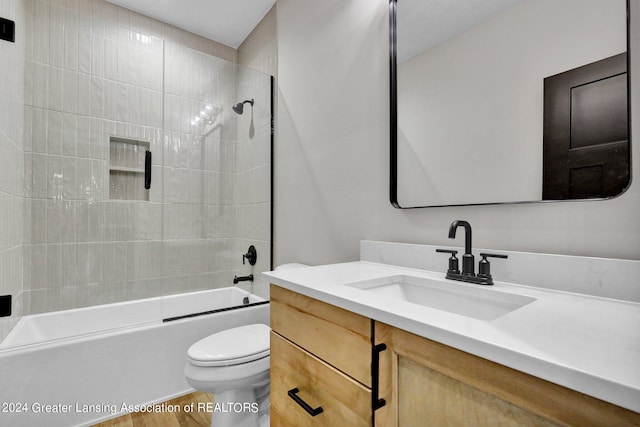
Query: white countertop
[586,343]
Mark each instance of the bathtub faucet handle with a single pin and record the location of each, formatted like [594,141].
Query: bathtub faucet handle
[251,256]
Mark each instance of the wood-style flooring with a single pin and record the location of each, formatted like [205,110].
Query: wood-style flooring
[168,419]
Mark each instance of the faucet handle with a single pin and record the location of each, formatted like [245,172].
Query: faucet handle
[484,267]
[487,255]
[447,251]
[251,255]
[453,261]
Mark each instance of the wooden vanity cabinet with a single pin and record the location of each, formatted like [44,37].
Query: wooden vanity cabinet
[321,358]
[426,383]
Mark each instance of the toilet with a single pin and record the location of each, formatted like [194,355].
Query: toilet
[233,365]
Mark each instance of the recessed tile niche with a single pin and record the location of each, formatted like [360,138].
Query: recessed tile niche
[127,169]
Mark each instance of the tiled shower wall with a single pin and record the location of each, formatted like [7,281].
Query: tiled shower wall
[11,164]
[95,70]
[217,177]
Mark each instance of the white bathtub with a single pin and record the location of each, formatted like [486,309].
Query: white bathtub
[87,363]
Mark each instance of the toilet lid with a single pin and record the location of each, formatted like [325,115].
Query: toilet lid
[231,346]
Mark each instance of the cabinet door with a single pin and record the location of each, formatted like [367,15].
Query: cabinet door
[344,401]
[429,384]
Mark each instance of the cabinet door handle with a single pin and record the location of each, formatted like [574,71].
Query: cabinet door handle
[311,411]
[376,402]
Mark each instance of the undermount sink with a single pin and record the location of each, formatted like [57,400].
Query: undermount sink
[467,300]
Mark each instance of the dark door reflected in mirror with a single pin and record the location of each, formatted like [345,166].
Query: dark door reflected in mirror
[508,101]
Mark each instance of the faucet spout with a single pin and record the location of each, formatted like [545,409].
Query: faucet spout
[468,268]
[467,233]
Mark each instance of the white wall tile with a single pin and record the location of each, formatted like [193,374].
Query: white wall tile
[85,19]
[135,71]
[39,176]
[83,146]
[97,97]
[56,36]
[38,221]
[84,52]
[39,130]
[54,132]
[40,76]
[28,82]
[70,40]
[98,24]
[69,272]
[55,86]
[82,221]
[69,134]
[96,221]
[39,266]
[68,224]
[82,263]
[54,179]
[84,94]
[110,60]
[140,23]
[28,128]
[111,21]
[70,91]
[41,22]
[110,97]
[29,27]
[96,262]
[97,56]
[54,265]
[83,179]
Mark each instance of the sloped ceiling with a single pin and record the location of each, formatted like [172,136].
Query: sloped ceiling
[226,21]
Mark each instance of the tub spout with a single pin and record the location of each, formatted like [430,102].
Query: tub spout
[237,279]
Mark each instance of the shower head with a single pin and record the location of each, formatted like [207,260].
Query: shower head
[239,107]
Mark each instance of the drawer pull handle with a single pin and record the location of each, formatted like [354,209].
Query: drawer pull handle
[376,401]
[311,411]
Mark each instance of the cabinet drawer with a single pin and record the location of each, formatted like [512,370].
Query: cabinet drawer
[344,401]
[339,337]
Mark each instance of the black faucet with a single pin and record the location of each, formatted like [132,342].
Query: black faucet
[237,279]
[467,259]
[468,265]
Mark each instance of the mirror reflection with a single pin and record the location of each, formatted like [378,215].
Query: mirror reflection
[510,101]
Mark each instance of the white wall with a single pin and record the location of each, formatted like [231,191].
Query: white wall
[332,170]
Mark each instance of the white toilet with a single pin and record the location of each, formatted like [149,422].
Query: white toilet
[233,365]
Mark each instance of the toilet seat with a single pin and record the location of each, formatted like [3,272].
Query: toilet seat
[234,346]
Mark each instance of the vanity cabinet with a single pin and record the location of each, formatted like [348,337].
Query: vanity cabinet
[320,358]
[323,356]
[427,383]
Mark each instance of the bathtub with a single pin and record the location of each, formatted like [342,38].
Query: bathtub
[79,367]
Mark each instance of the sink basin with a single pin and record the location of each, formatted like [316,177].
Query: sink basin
[467,300]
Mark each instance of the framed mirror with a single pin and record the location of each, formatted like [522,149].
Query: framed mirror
[508,101]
